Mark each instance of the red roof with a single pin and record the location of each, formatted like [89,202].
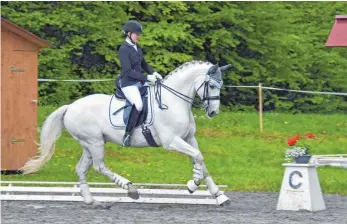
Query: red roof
[338,34]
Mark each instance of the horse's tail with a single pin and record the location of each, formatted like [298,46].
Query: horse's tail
[50,132]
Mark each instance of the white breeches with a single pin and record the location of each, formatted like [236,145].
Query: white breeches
[132,93]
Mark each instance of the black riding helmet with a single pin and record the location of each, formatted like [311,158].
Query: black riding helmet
[132,27]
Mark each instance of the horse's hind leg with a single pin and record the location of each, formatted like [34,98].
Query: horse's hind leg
[97,152]
[82,170]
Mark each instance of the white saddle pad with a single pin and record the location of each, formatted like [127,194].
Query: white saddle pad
[117,120]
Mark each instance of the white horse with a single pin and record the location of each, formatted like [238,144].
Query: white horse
[87,121]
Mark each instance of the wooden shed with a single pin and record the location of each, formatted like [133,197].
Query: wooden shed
[19,74]
[338,34]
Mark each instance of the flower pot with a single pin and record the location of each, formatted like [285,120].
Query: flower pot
[303,159]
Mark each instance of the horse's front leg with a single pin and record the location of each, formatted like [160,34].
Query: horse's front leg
[212,187]
[179,145]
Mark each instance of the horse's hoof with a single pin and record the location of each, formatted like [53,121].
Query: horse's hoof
[192,186]
[132,192]
[223,200]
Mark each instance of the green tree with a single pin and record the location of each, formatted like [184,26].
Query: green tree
[279,44]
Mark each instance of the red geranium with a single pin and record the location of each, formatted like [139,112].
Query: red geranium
[292,141]
[298,137]
[298,146]
[309,135]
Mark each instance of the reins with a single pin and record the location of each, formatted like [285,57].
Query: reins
[205,97]
[157,92]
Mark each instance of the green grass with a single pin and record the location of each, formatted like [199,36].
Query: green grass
[235,152]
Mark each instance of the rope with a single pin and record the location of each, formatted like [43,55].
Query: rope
[228,86]
[291,90]
[74,80]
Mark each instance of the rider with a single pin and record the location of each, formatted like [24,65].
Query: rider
[132,76]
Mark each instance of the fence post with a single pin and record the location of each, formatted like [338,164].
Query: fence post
[260,93]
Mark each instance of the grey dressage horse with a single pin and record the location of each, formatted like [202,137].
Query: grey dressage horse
[174,128]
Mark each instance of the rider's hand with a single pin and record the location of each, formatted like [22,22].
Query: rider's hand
[157,75]
[151,79]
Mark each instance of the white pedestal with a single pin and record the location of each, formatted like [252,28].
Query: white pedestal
[300,188]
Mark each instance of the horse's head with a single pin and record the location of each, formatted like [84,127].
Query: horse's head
[209,89]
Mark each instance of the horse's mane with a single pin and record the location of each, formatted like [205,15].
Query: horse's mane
[185,65]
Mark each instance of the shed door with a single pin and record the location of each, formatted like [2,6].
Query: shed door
[19,108]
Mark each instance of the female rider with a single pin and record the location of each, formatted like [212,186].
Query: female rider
[132,75]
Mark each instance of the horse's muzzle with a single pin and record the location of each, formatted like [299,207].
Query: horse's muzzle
[211,114]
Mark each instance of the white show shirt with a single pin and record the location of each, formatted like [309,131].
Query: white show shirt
[129,41]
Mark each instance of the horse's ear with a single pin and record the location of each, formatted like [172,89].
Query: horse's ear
[225,67]
[214,68]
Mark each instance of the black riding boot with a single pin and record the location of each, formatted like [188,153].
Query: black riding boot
[132,120]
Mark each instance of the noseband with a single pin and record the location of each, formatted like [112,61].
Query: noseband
[205,97]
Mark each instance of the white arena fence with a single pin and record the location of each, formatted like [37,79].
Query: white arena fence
[70,192]
[335,160]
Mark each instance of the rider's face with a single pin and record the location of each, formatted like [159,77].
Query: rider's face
[135,36]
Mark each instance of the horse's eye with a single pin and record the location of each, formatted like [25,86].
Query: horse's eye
[212,86]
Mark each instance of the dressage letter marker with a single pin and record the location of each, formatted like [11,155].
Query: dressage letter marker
[300,188]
